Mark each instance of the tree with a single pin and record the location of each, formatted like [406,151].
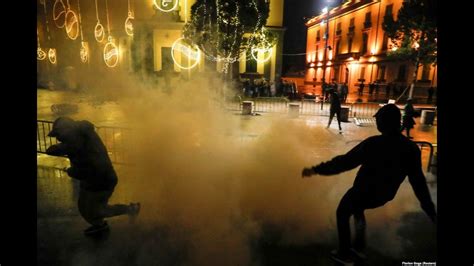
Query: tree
[224,29]
[413,34]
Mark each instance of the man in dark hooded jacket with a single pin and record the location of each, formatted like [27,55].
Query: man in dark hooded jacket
[335,109]
[90,163]
[385,161]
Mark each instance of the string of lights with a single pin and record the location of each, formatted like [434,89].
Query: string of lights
[84,52]
[52,51]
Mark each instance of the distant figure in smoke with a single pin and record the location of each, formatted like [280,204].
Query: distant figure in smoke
[90,164]
[408,115]
[385,161]
[335,109]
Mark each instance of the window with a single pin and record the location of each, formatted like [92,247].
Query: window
[367,22]
[362,73]
[402,73]
[338,44]
[367,17]
[166,59]
[425,75]
[349,45]
[251,64]
[318,35]
[351,25]
[388,10]
[365,41]
[338,29]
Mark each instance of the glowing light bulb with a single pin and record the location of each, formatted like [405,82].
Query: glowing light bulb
[129,25]
[72,25]
[192,53]
[99,32]
[262,50]
[40,54]
[111,54]
[52,55]
[166,4]
[59,13]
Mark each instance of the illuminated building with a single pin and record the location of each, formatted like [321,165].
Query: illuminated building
[144,34]
[357,48]
[166,27]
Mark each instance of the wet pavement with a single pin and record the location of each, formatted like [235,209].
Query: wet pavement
[397,232]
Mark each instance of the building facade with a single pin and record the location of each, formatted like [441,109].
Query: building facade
[166,28]
[357,48]
[157,24]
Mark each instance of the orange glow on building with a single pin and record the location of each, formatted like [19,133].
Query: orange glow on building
[358,43]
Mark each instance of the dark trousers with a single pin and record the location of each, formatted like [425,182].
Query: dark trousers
[352,203]
[94,207]
[338,116]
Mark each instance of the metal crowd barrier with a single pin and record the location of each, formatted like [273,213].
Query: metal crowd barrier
[307,107]
[115,139]
[431,146]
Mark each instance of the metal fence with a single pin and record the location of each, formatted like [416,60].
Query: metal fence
[431,158]
[116,139]
[307,107]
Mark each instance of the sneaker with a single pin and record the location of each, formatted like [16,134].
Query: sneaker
[96,229]
[358,254]
[340,258]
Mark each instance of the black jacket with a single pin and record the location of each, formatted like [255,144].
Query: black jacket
[90,162]
[385,162]
[335,102]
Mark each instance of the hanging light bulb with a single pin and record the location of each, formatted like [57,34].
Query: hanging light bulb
[129,25]
[167,4]
[111,53]
[262,50]
[52,55]
[191,52]
[99,32]
[40,54]
[59,13]
[72,25]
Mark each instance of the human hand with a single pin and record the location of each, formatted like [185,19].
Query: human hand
[307,172]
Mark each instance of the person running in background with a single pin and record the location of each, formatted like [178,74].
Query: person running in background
[335,109]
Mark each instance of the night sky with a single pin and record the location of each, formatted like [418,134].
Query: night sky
[296,13]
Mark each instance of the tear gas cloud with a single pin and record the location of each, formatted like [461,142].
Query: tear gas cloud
[222,177]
